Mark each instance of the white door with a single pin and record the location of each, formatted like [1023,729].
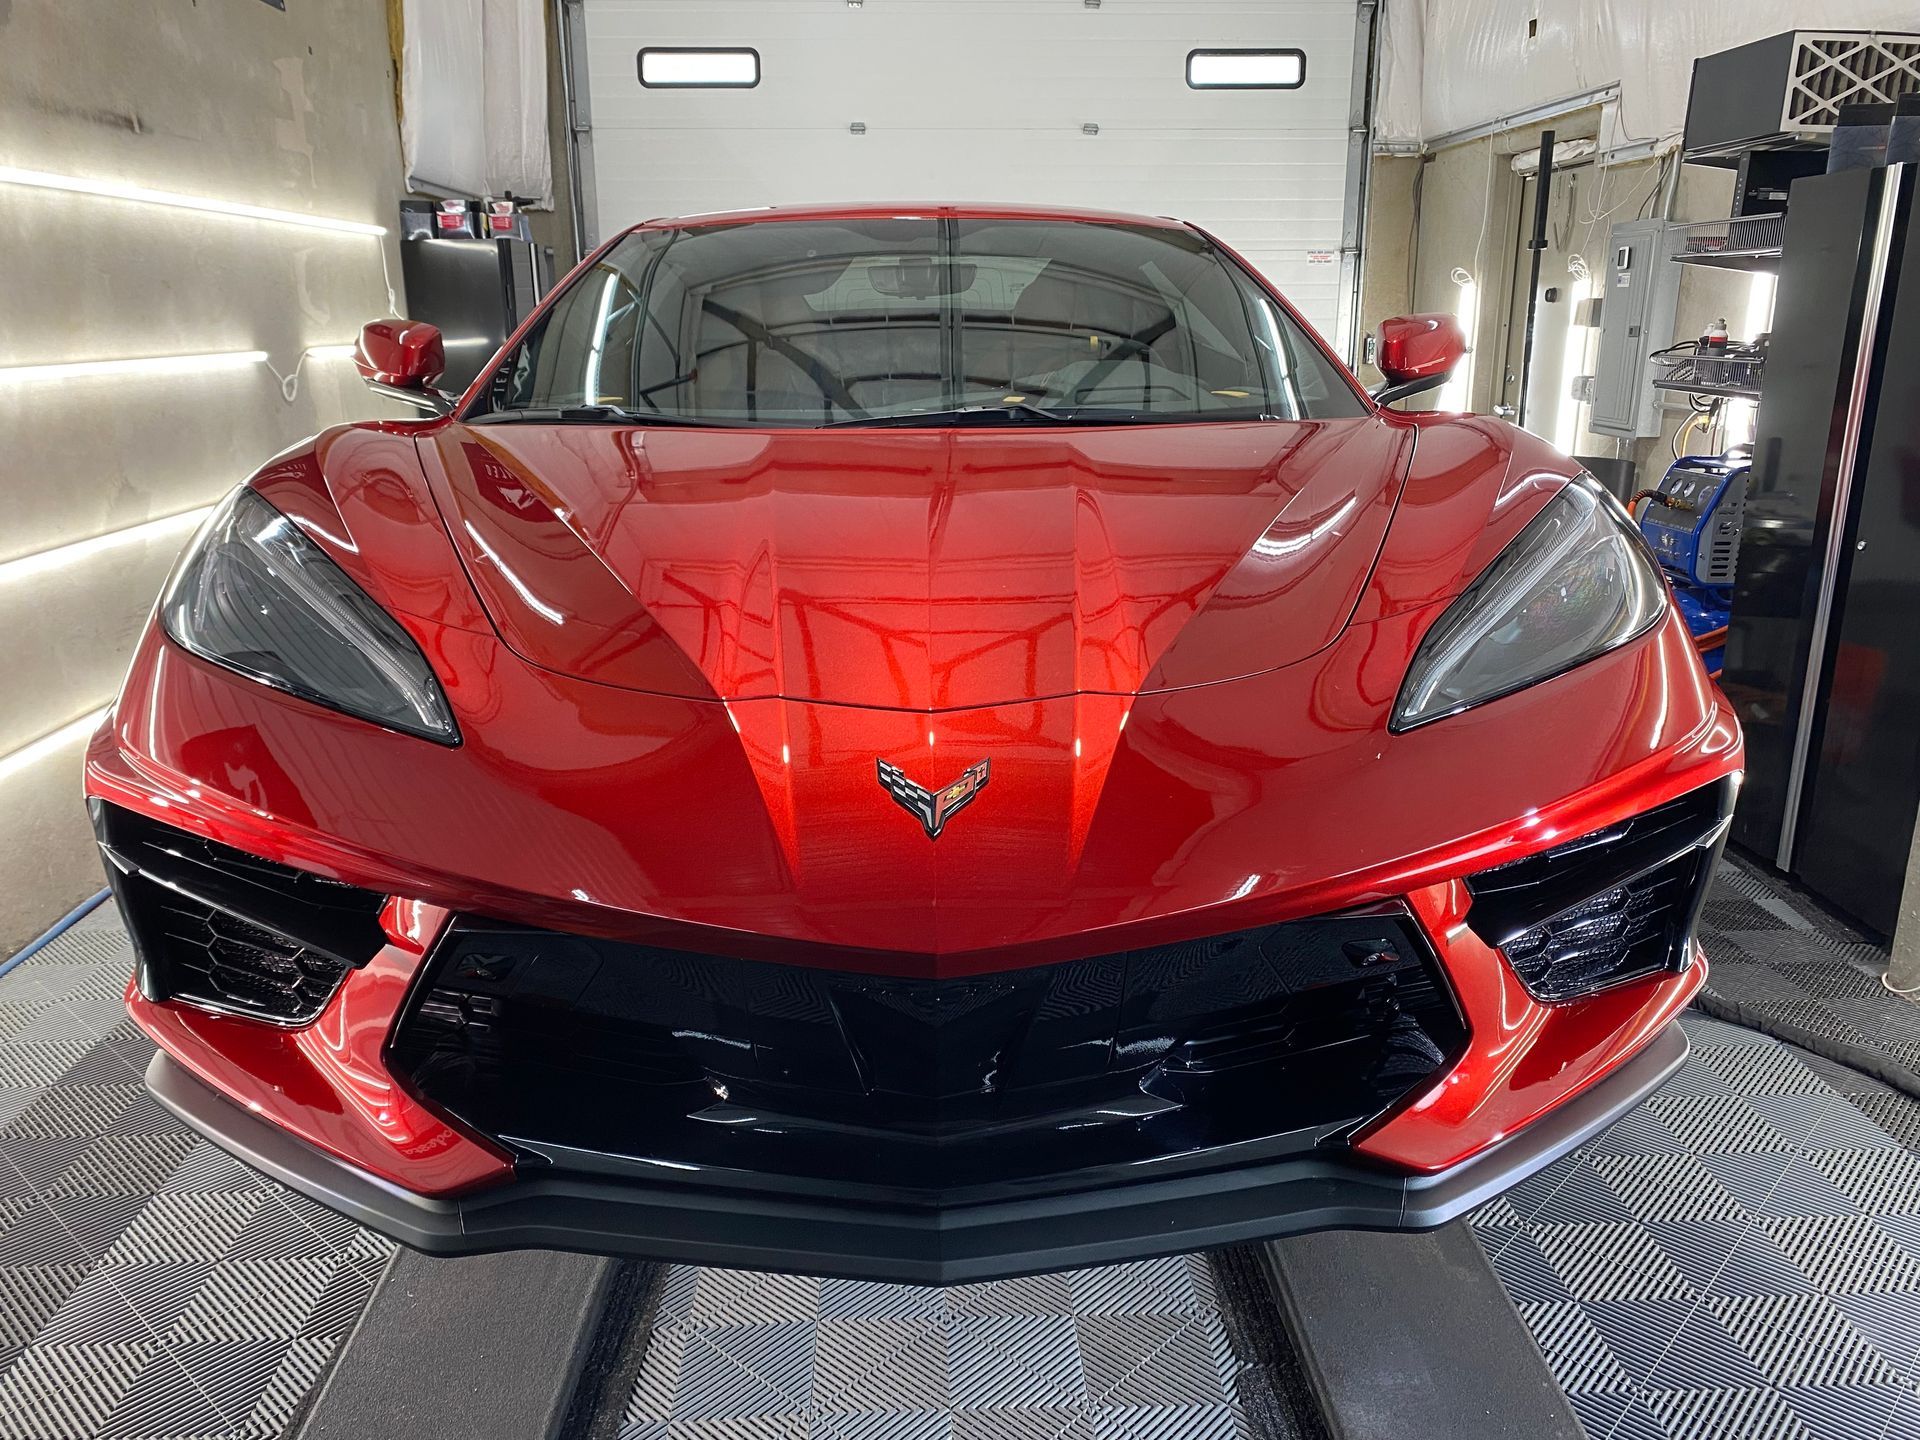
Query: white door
[1032,101]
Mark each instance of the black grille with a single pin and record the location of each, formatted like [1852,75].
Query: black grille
[219,928]
[1615,905]
[210,958]
[607,1056]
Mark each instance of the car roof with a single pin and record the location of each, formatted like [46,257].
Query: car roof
[903,210]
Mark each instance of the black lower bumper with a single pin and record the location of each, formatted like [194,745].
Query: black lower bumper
[940,1247]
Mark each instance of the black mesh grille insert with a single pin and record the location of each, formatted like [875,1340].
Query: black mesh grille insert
[1614,905]
[211,958]
[607,1056]
[217,927]
[1625,932]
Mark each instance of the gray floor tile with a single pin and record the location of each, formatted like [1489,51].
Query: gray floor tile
[1780,1190]
[149,1285]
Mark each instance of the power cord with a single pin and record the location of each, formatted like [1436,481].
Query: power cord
[290,382]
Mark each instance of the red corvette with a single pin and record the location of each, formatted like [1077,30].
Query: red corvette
[922,745]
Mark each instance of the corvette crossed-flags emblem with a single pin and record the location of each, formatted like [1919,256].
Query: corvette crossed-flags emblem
[933,808]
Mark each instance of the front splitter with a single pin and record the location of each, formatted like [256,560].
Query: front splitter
[696,1225]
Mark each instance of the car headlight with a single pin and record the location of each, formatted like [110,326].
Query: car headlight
[1576,583]
[257,596]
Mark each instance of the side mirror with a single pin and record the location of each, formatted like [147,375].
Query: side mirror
[401,359]
[1417,353]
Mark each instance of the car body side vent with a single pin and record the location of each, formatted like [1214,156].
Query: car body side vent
[1608,907]
[216,927]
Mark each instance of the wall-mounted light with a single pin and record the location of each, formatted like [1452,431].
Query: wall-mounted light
[140,194]
[52,743]
[1573,361]
[1457,393]
[44,562]
[330,352]
[134,365]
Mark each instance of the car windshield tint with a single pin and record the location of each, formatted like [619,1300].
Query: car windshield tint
[808,323]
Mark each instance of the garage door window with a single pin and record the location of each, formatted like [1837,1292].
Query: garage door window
[673,67]
[889,320]
[1246,69]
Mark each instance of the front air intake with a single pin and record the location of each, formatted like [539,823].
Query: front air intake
[611,1057]
[223,930]
[222,962]
[1613,906]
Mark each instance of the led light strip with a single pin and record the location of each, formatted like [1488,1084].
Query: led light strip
[58,557]
[34,751]
[134,365]
[140,194]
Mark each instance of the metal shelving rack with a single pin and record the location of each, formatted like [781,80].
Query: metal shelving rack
[1744,242]
[1752,243]
[1735,377]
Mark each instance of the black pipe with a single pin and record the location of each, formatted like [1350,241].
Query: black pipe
[1543,185]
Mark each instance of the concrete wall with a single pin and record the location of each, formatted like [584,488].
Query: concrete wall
[1466,221]
[228,99]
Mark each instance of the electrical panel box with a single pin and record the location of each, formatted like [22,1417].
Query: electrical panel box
[1636,318]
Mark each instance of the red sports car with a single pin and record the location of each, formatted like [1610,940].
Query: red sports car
[923,743]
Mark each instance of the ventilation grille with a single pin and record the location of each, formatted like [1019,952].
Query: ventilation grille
[1720,546]
[606,1056]
[1613,905]
[1831,70]
[220,961]
[230,931]
[1624,933]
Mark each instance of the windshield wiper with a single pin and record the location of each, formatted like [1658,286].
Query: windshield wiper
[963,415]
[590,415]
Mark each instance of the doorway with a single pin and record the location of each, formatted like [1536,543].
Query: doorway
[1563,330]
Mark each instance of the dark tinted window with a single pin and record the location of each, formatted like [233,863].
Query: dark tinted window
[822,322]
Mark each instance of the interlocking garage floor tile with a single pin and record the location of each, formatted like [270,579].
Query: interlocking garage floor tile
[1740,1259]
[1785,966]
[1122,1351]
[149,1285]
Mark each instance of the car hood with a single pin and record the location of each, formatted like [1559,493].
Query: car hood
[918,569]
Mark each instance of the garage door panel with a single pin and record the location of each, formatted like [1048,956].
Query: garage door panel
[1048,59]
[798,87]
[979,100]
[1068,170]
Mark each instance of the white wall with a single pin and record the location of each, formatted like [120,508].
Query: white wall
[1477,61]
[102,478]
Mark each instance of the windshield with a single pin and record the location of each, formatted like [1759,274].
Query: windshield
[823,322]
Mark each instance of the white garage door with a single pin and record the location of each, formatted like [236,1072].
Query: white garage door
[1038,101]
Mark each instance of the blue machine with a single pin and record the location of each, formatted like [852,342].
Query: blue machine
[1692,521]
